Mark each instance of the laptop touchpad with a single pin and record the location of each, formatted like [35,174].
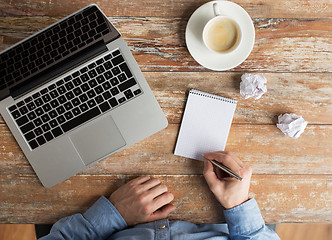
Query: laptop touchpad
[97,140]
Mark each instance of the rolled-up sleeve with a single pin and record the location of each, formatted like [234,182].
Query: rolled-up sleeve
[100,221]
[246,222]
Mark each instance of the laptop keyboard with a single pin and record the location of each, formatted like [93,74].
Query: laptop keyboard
[52,45]
[75,99]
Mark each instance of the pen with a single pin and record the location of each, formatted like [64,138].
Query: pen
[226,169]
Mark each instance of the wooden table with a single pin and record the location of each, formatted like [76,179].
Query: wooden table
[292,179]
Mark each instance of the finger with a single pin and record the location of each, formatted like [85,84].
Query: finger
[221,174]
[162,200]
[139,180]
[242,165]
[209,174]
[162,213]
[149,184]
[226,159]
[157,190]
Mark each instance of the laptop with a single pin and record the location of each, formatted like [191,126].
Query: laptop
[73,94]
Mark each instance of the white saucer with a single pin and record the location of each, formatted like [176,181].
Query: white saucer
[208,58]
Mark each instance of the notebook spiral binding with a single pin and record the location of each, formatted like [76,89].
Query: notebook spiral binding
[205,94]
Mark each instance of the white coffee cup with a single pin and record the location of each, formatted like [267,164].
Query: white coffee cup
[221,34]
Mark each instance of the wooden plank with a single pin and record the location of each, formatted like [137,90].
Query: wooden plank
[306,94]
[158,44]
[282,198]
[174,8]
[263,147]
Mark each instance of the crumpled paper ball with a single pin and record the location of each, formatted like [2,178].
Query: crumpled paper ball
[252,85]
[291,124]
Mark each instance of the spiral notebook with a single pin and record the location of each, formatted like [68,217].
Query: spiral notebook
[205,124]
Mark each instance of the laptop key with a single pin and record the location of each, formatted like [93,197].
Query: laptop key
[80,119]
[113,102]
[99,90]
[38,102]
[99,99]
[124,67]
[69,95]
[47,107]
[107,85]
[45,118]
[121,100]
[46,98]
[23,110]
[129,94]
[116,71]
[117,60]
[53,123]
[62,99]
[61,119]
[48,136]
[114,81]
[107,65]
[68,115]
[100,69]
[127,84]
[84,107]
[83,97]
[68,106]
[91,103]
[115,91]
[104,106]
[54,103]
[57,132]
[29,136]
[33,144]
[138,91]
[100,79]
[76,111]
[108,75]
[75,101]
[91,93]
[31,115]
[122,77]
[45,127]
[16,114]
[53,114]
[38,131]
[21,121]
[41,140]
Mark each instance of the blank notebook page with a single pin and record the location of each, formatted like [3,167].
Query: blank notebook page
[205,124]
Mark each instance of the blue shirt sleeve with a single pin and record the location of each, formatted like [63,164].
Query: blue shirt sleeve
[100,221]
[246,222]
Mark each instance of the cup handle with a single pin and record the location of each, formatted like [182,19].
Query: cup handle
[216,9]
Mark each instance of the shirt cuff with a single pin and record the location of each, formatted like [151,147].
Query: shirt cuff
[244,219]
[105,218]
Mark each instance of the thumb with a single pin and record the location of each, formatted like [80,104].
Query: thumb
[162,212]
[209,174]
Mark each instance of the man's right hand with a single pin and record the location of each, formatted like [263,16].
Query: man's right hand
[142,200]
[229,191]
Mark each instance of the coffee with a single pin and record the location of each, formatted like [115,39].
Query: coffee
[221,34]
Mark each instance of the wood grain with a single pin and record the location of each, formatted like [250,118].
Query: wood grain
[306,94]
[17,231]
[158,44]
[304,231]
[292,178]
[263,147]
[174,8]
[277,195]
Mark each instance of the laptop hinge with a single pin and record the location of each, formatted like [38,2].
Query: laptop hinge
[58,69]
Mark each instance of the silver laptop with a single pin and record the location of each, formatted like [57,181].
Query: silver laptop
[73,94]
